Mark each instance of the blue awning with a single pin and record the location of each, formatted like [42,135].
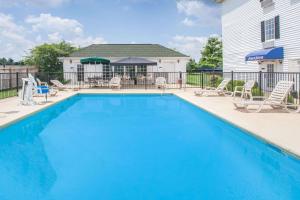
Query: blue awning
[266,54]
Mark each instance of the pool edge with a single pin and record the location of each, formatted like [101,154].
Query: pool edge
[17,119]
[285,151]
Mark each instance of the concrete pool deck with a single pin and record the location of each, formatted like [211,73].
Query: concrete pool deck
[276,127]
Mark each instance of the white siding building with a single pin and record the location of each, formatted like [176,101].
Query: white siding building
[167,59]
[261,35]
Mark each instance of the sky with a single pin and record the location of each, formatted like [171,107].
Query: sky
[183,25]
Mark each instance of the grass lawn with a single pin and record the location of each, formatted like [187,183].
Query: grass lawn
[8,93]
[196,79]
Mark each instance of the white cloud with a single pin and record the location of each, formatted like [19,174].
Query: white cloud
[189,45]
[17,39]
[42,3]
[13,38]
[197,12]
[54,37]
[49,23]
[57,29]
[85,41]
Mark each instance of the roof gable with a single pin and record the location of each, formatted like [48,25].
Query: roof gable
[126,50]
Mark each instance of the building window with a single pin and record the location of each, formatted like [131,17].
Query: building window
[119,70]
[130,72]
[270,29]
[142,70]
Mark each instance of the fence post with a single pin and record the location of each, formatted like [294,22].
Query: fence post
[202,80]
[299,88]
[180,80]
[146,80]
[10,79]
[260,83]
[17,81]
[232,85]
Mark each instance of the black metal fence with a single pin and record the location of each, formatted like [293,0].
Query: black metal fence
[11,83]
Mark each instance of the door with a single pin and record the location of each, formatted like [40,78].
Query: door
[270,75]
[80,73]
[107,72]
[130,71]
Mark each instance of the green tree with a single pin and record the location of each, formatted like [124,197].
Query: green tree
[10,61]
[46,56]
[7,61]
[21,62]
[212,55]
[3,61]
[192,65]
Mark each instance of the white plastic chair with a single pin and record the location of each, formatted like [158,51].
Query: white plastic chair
[244,91]
[210,91]
[277,99]
[161,82]
[115,82]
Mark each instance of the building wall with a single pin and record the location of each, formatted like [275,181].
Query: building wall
[241,27]
[163,64]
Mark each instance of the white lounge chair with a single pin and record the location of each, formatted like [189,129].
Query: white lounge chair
[58,85]
[244,91]
[161,83]
[210,91]
[277,99]
[115,82]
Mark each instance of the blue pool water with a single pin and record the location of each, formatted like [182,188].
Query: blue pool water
[138,147]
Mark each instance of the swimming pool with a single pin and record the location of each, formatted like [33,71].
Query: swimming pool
[138,147]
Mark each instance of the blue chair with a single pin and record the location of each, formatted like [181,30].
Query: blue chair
[43,90]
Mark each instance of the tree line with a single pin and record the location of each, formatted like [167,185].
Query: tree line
[10,61]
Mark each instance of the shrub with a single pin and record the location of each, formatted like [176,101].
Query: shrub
[292,97]
[63,81]
[215,80]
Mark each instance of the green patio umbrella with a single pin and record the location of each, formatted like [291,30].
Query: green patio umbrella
[94,60]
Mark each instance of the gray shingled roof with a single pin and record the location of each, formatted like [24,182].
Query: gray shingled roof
[126,50]
[134,61]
